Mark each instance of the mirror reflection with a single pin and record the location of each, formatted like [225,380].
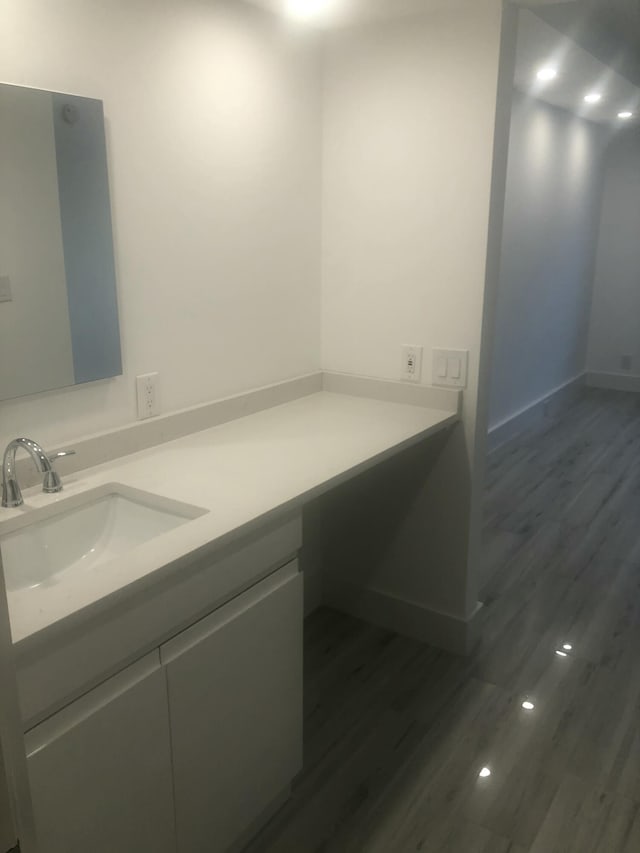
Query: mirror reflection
[58,306]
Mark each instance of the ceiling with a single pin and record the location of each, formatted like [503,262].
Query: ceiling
[609,29]
[595,20]
[595,43]
[349,11]
[579,72]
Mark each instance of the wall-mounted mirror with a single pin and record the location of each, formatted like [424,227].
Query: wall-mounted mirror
[58,306]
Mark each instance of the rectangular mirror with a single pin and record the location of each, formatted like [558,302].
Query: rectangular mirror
[58,305]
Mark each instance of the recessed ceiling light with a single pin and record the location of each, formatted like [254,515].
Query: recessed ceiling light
[561,654]
[593,97]
[567,647]
[547,74]
[484,773]
[528,706]
[625,114]
[306,10]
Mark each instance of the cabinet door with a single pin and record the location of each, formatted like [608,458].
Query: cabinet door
[235,703]
[100,769]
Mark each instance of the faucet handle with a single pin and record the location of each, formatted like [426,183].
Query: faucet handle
[52,482]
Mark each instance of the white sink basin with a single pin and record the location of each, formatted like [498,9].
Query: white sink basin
[83,533]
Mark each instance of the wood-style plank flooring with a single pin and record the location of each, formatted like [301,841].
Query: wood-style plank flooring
[396,733]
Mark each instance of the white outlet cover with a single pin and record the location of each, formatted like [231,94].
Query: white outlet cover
[411,354]
[147,396]
[450,368]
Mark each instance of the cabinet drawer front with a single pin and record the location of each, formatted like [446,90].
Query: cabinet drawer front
[235,700]
[100,770]
[223,615]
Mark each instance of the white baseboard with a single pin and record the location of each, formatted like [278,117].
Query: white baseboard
[535,413]
[613,381]
[257,824]
[407,618]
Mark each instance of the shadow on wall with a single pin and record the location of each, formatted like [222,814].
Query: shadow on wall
[390,530]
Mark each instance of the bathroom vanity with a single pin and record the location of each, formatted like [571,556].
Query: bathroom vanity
[160,677]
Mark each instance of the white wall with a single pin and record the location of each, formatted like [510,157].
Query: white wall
[409,113]
[35,335]
[554,185]
[218,143]
[213,127]
[616,300]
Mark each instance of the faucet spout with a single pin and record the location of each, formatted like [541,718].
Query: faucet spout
[11,494]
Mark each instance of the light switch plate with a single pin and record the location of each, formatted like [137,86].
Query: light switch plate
[450,367]
[5,289]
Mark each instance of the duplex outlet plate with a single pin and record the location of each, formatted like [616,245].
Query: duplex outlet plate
[147,395]
[411,369]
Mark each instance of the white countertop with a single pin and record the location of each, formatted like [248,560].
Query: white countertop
[239,472]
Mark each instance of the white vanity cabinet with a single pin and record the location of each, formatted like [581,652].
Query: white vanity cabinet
[100,769]
[189,748]
[235,704]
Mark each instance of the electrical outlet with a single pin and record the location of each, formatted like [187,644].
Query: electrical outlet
[450,367]
[148,403]
[412,363]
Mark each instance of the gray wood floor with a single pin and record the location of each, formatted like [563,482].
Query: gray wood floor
[396,733]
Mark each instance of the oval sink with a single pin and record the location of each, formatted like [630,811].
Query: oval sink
[84,532]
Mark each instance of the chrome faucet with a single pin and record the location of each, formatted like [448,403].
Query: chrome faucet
[11,494]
